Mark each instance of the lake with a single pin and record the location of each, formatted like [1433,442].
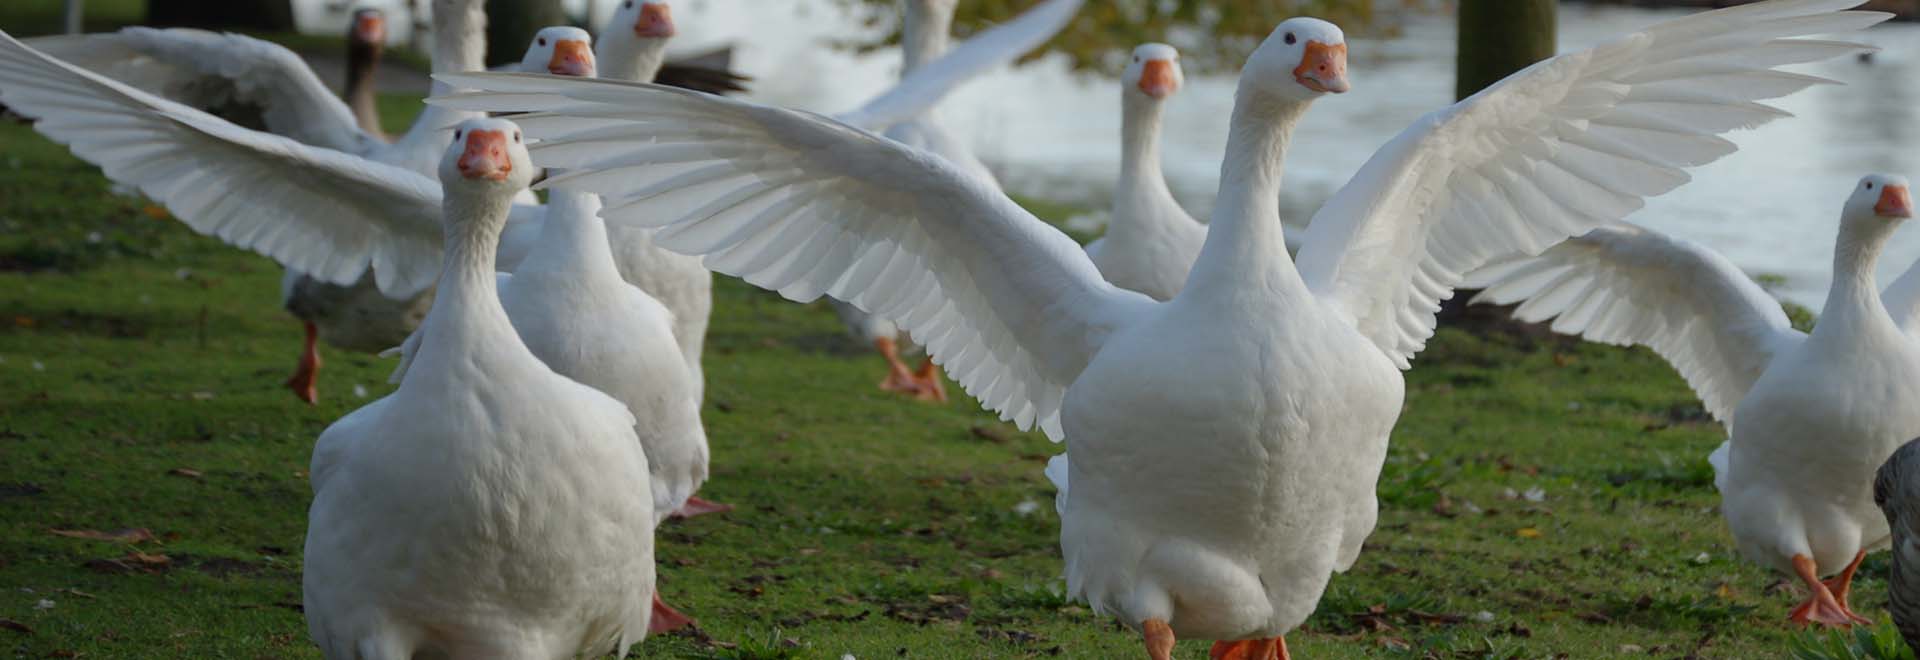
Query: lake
[1051,133]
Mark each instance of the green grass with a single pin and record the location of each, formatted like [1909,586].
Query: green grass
[139,388]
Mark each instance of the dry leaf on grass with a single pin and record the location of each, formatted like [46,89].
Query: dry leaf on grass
[189,473]
[15,626]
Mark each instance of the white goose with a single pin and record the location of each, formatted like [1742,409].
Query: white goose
[1151,243]
[1226,442]
[573,310]
[928,71]
[1809,417]
[503,524]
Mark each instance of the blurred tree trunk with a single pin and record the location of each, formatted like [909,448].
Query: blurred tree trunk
[511,24]
[253,14]
[74,12]
[1499,37]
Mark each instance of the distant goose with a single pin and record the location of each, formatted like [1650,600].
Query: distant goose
[1809,416]
[1225,444]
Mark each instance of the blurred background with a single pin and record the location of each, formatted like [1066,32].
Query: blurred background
[1049,126]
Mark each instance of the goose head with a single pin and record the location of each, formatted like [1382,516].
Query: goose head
[1303,59]
[488,157]
[1879,200]
[647,19]
[1154,72]
[368,27]
[561,51]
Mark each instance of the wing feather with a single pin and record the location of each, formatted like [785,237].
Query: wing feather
[1567,145]
[806,206]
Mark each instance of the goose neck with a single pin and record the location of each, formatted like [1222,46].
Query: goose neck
[459,37]
[926,33]
[1141,179]
[1855,295]
[363,60]
[1245,238]
[573,239]
[631,59]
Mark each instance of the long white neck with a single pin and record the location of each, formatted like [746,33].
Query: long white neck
[1142,186]
[459,38]
[1853,301]
[459,44]
[573,239]
[467,324]
[630,58]
[1245,242]
[927,32]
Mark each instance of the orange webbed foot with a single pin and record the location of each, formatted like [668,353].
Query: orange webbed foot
[1250,649]
[306,375]
[665,618]
[699,506]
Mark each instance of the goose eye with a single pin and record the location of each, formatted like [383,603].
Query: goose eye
[516,137]
[1291,39]
[629,4]
[543,41]
[456,135]
[1869,185]
[1136,58]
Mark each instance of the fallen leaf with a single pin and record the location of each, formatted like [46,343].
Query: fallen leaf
[156,211]
[23,321]
[15,626]
[128,535]
[1528,533]
[134,562]
[189,473]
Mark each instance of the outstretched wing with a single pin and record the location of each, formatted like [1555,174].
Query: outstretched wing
[208,70]
[322,212]
[1902,299]
[1628,286]
[1565,146]
[807,206]
[984,52]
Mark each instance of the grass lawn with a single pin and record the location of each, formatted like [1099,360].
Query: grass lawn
[1542,498]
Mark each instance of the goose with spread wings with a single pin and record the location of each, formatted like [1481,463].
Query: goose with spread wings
[1809,416]
[1225,443]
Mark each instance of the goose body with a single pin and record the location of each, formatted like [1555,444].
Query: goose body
[409,508]
[1260,397]
[1896,488]
[1810,417]
[570,306]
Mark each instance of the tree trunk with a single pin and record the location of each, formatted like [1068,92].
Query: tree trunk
[276,15]
[511,24]
[1499,37]
[74,13]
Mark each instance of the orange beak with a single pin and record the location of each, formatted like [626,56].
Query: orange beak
[1323,68]
[485,156]
[656,21]
[571,57]
[1157,81]
[370,28]
[1895,202]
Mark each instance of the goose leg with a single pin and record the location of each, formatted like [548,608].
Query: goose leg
[927,379]
[1250,649]
[1820,607]
[1159,638]
[1841,584]
[665,618]
[699,506]
[899,378]
[307,373]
